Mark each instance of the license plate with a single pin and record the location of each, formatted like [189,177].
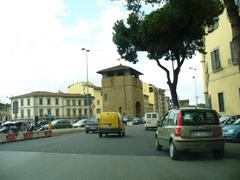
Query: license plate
[106,125]
[201,133]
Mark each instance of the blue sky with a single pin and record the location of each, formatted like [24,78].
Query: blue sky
[41,42]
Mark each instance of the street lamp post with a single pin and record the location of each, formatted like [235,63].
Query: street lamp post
[88,111]
[194,78]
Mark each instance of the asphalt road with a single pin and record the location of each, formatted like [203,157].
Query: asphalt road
[83,156]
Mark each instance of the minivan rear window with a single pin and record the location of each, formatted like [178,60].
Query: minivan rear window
[154,115]
[196,117]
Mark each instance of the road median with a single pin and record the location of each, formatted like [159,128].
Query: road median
[21,136]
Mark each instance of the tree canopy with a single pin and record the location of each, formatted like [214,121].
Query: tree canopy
[174,32]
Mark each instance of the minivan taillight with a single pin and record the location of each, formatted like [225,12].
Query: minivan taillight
[178,131]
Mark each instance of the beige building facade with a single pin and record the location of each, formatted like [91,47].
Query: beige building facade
[155,99]
[49,105]
[221,69]
[96,94]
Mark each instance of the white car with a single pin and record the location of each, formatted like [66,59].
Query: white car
[80,123]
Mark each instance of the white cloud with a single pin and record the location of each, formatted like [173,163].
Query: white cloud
[41,52]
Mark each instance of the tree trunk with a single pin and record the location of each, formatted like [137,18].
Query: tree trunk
[234,18]
[173,90]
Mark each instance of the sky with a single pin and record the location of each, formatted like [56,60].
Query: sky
[41,45]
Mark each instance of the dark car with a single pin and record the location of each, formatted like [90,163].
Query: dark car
[61,123]
[232,132]
[92,125]
[191,130]
[137,120]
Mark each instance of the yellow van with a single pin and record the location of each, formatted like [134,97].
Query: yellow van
[111,122]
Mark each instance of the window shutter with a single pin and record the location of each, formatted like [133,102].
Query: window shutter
[234,53]
[213,60]
[217,59]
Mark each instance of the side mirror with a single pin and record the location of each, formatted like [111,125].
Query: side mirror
[158,124]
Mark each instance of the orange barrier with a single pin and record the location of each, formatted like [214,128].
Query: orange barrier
[11,137]
[3,138]
[28,135]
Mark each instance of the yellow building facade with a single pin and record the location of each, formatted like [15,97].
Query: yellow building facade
[221,69]
[154,99]
[81,88]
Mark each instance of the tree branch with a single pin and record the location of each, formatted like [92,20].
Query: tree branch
[165,69]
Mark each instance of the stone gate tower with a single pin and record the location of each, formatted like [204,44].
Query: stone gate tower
[122,90]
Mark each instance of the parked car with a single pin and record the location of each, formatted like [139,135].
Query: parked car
[137,120]
[80,123]
[92,125]
[61,123]
[230,120]
[232,132]
[190,129]
[222,119]
[127,119]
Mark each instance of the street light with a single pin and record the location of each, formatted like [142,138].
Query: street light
[87,50]
[194,78]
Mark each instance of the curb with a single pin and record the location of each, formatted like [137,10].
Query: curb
[21,136]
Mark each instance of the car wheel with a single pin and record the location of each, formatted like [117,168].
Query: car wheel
[173,152]
[86,131]
[157,145]
[218,154]
[123,134]
[100,134]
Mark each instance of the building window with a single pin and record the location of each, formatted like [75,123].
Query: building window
[49,113]
[221,102]
[57,112]
[79,112]
[215,57]
[68,112]
[98,102]
[98,111]
[214,26]
[41,112]
[68,102]
[105,97]
[40,101]
[48,101]
[28,102]
[22,113]
[85,112]
[79,102]
[150,89]
[74,112]
[57,101]
[28,112]
[74,102]
[22,104]
[234,52]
